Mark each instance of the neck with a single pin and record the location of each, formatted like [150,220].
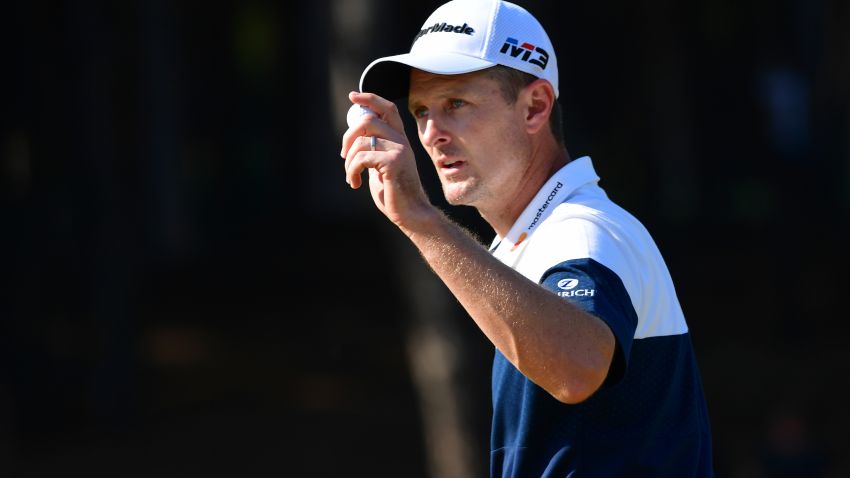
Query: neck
[543,166]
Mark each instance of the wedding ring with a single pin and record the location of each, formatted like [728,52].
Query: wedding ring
[373,142]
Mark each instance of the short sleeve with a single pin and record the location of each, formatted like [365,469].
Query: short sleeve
[597,290]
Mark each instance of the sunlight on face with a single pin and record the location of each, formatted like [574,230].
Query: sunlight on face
[475,139]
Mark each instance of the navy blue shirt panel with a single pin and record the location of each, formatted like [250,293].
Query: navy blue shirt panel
[599,291]
[650,422]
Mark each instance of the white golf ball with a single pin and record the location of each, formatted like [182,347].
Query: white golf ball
[355,112]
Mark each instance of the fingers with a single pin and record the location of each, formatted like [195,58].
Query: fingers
[387,124]
[361,145]
[366,126]
[370,133]
[387,110]
[360,160]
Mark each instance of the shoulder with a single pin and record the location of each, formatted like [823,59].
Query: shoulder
[589,227]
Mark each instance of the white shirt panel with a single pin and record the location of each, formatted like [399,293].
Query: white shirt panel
[589,225]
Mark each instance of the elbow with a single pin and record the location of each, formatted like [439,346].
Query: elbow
[583,378]
[579,383]
[570,397]
[578,390]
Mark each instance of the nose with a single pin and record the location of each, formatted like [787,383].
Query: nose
[432,133]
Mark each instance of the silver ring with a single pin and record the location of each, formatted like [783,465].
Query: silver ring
[373,142]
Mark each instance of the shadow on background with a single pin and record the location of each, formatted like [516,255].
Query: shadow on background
[191,289]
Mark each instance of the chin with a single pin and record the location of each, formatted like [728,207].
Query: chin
[457,196]
[453,199]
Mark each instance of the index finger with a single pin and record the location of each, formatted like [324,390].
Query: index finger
[367,125]
[384,108]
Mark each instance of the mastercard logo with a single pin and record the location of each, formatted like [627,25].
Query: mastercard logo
[519,241]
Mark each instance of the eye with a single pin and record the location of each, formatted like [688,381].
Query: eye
[419,112]
[455,103]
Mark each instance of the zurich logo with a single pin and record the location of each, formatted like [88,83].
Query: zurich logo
[567,284]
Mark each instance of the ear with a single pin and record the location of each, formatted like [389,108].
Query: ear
[538,97]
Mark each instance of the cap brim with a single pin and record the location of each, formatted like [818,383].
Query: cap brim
[389,77]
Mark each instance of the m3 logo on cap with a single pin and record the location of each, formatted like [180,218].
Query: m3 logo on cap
[444,27]
[526,49]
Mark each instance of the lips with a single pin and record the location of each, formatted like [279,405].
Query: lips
[450,166]
[448,161]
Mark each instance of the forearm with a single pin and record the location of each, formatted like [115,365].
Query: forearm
[555,344]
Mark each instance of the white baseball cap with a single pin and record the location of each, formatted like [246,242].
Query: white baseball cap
[463,36]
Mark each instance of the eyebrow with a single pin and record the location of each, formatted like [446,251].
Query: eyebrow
[445,90]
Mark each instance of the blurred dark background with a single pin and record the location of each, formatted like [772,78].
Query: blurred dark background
[192,290]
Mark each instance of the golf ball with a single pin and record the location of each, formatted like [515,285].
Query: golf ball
[355,112]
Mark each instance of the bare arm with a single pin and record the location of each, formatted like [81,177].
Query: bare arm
[558,346]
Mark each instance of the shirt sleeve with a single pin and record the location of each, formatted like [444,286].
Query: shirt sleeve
[597,290]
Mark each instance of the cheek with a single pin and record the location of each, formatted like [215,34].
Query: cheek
[499,142]
[508,155]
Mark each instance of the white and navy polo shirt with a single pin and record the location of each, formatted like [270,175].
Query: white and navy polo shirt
[649,418]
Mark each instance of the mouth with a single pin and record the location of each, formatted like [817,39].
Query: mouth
[450,166]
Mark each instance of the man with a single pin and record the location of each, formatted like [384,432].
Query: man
[594,373]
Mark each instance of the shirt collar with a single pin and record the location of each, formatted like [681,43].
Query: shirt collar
[556,190]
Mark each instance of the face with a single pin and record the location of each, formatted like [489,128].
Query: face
[475,138]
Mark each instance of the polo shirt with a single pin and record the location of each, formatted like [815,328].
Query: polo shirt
[649,418]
